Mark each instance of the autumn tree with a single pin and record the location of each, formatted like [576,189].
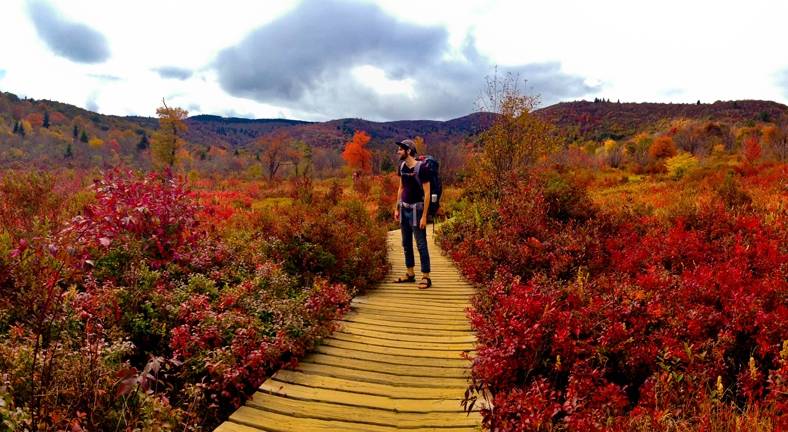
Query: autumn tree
[421,146]
[35,119]
[451,154]
[273,151]
[356,155]
[517,138]
[775,138]
[752,149]
[381,160]
[302,159]
[662,147]
[169,137]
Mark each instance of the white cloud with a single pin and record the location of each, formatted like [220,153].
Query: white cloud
[375,79]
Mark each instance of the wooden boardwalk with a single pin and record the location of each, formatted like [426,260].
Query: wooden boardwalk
[395,364]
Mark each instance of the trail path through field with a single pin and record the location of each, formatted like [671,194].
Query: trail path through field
[394,364]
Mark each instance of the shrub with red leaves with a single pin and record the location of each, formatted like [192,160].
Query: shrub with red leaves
[585,323]
[152,213]
[136,314]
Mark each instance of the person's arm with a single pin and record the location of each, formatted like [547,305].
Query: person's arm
[426,187]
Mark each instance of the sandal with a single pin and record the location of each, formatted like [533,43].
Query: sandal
[423,284]
[406,278]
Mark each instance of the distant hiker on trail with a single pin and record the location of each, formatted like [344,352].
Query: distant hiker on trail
[413,201]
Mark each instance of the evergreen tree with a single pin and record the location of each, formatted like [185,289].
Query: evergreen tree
[46,119]
[144,143]
[69,153]
[75,132]
[84,136]
[16,127]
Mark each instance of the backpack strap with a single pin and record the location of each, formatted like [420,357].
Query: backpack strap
[416,171]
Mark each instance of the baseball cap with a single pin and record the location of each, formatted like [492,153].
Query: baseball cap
[407,144]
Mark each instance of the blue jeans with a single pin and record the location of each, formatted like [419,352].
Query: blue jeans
[408,231]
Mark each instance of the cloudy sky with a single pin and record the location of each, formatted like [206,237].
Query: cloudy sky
[385,59]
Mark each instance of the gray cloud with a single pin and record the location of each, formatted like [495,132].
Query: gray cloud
[174,72]
[74,41]
[304,59]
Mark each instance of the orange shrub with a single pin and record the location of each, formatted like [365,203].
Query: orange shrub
[662,148]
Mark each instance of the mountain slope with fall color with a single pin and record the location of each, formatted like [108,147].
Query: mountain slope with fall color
[47,133]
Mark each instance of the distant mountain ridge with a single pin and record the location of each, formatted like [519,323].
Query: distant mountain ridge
[210,135]
[600,120]
[235,132]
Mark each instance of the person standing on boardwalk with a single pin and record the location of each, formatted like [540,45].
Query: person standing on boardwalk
[413,202]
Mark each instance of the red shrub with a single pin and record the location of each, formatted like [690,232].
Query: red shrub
[618,323]
[153,213]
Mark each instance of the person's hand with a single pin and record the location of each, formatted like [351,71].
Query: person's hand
[423,222]
[396,214]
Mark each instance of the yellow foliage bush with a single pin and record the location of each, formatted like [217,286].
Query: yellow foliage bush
[96,143]
[681,164]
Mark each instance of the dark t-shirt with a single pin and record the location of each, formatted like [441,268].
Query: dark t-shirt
[412,191]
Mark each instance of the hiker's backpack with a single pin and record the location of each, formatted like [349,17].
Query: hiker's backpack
[436,188]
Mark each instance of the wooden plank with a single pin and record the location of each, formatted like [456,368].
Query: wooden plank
[382,378]
[277,422]
[388,368]
[412,306]
[386,301]
[397,404]
[426,294]
[363,387]
[463,294]
[411,320]
[406,330]
[360,318]
[355,329]
[369,340]
[414,316]
[393,359]
[360,346]
[446,312]
[371,416]
[229,426]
